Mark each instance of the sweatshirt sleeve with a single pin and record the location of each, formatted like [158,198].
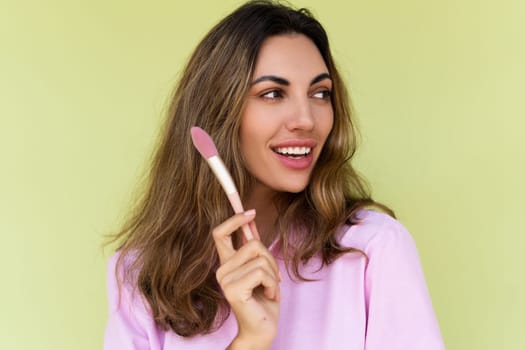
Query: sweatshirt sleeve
[400,315]
[129,326]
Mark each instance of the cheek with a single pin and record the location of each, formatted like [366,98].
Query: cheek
[256,127]
[325,122]
[250,136]
[246,146]
[249,122]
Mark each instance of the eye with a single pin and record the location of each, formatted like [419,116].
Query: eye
[322,94]
[272,94]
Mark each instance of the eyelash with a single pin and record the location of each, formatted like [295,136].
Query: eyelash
[326,94]
[278,92]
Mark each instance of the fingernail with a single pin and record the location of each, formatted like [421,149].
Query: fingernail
[280,276]
[250,212]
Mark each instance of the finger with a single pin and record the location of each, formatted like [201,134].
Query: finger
[257,236]
[241,290]
[222,233]
[226,277]
[260,277]
[247,252]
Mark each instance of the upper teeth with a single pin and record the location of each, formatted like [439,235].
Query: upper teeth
[293,150]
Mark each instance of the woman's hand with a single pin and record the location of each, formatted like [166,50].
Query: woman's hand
[249,278]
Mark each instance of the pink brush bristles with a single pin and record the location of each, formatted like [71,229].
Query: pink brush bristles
[203,142]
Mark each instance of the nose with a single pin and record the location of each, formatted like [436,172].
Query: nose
[301,116]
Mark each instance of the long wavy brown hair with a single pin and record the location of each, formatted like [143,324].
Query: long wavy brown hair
[168,230]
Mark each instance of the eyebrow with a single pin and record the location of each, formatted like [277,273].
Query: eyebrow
[320,77]
[282,81]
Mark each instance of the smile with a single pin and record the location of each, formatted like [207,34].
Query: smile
[293,152]
[294,158]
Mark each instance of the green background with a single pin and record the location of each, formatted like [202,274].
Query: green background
[438,88]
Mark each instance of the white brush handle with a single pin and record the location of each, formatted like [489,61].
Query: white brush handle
[226,181]
[222,174]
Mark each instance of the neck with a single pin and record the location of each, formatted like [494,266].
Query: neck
[262,200]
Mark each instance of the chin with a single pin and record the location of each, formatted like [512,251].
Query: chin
[294,188]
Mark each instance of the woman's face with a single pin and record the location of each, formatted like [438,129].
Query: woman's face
[288,114]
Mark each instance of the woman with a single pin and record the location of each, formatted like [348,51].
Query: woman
[324,272]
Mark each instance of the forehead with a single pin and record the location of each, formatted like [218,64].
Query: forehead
[289,55]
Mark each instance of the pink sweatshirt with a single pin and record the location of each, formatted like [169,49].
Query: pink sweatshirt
[353,305]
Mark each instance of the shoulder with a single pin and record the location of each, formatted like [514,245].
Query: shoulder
[113,276]
[398,305]
[118,269]
[121,282]
[375,232]
[130,324]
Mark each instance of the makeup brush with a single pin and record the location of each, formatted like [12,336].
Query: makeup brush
[204,144]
